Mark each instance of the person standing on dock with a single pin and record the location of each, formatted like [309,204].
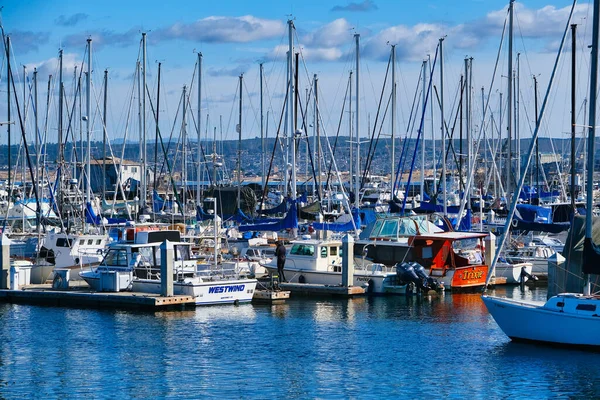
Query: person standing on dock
[280,253]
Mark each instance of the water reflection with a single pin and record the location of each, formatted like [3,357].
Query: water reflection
[416,346]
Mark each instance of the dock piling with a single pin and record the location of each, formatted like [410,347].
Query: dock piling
[347,261]
[4,262]
[167,253]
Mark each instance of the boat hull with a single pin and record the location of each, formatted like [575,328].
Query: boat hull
[375,282]
[536,322]
[204,293]
[512,272]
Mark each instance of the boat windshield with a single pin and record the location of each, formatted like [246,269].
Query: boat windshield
[301,249]
[115,257]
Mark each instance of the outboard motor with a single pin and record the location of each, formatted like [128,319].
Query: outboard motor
[525,274]
[427,282]
[406,274]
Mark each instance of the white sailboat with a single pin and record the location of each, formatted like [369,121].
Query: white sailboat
[567,319]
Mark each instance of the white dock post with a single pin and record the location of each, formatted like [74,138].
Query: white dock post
[167,255]
[347,261]
[490,248]
[5,262]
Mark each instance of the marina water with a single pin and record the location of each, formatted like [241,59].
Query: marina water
[438,346]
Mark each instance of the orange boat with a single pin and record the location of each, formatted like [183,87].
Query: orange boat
[436,252]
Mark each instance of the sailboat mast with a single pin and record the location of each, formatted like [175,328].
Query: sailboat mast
[198,130]
[509,101]
[291,109]
[318,136]
[591,133]
[184,149]
[8,73]
[61,99]
[104,135]
[357,116]
[262,131]
[143,155]
[88,111]
[350,134]
[424,89]
[239,155]
[573,93]
[444,183]
[393,166]
[37,137]
[155,185]
[537,141]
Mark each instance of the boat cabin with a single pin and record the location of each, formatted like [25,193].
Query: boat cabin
[315,255]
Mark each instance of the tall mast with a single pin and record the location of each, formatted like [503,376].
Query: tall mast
[262,131]
[291,108]
[8,73]
[61,100]
[357,182]
[537,142]
[37,141]
[88,111]
[467,91]
[239,155]
[198,131]
[573,92]
[350,133]
[432,131]
[393,170]
[424,90]
[154,186]
[444,184]
[104,135]
[184,148]
[143,155]
[509,101]
[517,130]
[318,136]
[591,133]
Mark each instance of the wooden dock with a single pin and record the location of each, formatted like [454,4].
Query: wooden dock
[270,296]
[83,297]
[323,290]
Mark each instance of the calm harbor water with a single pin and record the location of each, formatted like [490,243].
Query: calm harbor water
[440,346]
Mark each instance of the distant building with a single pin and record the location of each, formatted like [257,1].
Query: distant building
[131,173]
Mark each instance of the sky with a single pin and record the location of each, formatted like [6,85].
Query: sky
[234,37]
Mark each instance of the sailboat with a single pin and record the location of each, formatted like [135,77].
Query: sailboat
[566,319]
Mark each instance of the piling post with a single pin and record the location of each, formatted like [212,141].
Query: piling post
[167,255]
[4,262]
[556,280]
[490,248]
[347,261]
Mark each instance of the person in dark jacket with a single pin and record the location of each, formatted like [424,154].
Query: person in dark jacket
[280,253]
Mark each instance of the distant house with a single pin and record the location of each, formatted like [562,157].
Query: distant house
[131,173]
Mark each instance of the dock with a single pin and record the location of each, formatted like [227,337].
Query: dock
[270,296]
[323,290]
[84,298]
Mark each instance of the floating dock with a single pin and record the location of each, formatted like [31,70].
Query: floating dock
[323,290]
[270,296]
[83,297]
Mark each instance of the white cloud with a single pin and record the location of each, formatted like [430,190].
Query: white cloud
[216,29]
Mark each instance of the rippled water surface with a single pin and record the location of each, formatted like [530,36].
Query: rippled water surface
[442,347]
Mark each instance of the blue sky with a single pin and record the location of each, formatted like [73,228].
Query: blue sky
[234,35]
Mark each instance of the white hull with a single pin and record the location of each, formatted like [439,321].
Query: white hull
[512,272]
[373,281]
[561,320]
[205,293]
